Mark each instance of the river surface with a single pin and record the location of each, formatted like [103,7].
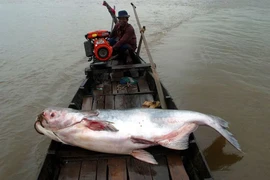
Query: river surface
[212,55]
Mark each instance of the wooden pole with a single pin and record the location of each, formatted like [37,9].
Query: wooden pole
[140,41]
[153,67]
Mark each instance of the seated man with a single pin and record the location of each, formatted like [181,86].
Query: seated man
[123,38]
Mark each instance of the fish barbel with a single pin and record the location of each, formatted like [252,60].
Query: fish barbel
[127,131]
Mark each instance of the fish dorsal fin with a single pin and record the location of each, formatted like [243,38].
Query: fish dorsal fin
[99,125]
[143,156]
[178,139]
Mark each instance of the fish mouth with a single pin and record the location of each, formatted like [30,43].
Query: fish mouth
[40,117]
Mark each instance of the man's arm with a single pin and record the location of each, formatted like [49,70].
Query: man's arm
[126,37]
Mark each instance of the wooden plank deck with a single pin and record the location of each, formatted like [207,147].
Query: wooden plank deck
[118,96]
[123,167]
[83,164]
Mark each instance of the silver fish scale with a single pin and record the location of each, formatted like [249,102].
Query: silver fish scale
[156,116]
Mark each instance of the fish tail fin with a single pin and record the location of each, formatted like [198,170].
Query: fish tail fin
[178,139]
[221,126]
[220,121]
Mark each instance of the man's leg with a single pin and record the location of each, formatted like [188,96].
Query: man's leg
[125,50]
[113,41]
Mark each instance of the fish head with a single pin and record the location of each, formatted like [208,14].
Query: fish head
[54,119]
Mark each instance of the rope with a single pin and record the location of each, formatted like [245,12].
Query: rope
[123,86]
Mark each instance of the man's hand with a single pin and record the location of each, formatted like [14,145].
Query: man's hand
[115,48]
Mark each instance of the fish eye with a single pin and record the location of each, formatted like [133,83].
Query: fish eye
[52,114]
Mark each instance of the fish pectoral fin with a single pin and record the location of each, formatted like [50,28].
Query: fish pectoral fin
[178,139]
[99,125]
[144,156]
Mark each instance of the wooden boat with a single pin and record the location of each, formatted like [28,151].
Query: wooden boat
[101,89]
[68,162]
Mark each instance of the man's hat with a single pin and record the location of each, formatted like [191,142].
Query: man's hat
[123,13]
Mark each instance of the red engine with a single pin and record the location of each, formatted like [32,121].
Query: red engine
[98,34]
[97,45]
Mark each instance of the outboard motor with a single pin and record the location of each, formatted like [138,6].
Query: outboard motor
[97,47]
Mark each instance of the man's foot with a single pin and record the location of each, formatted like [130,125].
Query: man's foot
[114,57]
[129,60]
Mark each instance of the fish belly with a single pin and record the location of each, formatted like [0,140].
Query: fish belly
[101,141]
